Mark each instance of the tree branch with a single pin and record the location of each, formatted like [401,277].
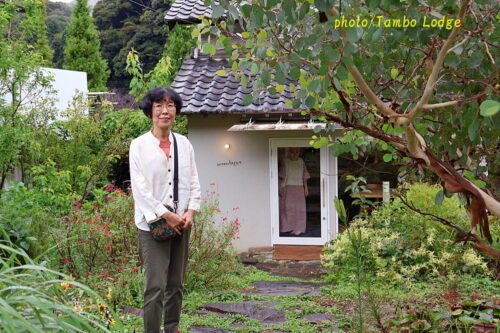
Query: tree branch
[429,87]
[451,103]
[395,141]
[459,44]
[358,77]
[462,235]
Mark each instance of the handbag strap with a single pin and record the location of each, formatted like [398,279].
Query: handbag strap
[176,174]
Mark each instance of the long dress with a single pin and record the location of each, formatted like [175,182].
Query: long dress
[293,215]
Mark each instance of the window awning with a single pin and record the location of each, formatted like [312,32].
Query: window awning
[279,126]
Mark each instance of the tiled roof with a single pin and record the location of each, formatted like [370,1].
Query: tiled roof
[203,91]
[188,11]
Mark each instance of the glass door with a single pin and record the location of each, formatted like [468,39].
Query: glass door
[299,192]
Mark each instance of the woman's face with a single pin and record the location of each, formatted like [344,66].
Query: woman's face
[163,114]
[294,154]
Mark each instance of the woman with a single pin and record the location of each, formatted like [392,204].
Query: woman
[151,172]
[293,191]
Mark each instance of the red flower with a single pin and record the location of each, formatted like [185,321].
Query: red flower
[134,269]
[108,247]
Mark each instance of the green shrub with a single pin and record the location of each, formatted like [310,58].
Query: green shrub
[212,258]
[406,247]
[27,212]
[35,299]
[97,244]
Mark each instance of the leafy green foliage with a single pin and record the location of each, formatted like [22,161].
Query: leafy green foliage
[42,43]
[141,83]
[178,46]
[356,188]
[405,247]
[124,25]
[312,44]
[212,258]
[469,316]
[58,16]
[99,245]
[33,298]
[27,213]
[489,108]
[24,112]
[82,48]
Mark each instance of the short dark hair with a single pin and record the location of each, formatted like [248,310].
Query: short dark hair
[159,94]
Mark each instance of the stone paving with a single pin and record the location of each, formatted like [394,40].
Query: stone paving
[266,311]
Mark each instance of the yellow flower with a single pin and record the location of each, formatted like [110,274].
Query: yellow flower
[108,296]
[65,285]
[102,308]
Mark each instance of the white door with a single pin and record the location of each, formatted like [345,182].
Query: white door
[303,184]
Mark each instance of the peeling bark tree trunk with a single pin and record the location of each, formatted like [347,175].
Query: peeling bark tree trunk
[451,180]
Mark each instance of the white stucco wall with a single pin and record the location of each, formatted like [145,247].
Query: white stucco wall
[66,85]
[245,185]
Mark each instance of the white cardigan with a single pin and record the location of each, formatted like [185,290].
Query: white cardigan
[152,177]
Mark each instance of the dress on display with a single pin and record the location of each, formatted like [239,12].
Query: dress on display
[293,174]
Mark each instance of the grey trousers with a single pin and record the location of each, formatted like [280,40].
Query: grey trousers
[165,266]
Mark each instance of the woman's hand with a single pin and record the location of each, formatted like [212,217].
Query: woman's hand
[175,221]
[188,218]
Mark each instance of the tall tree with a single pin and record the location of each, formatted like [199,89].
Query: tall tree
[42,41]
[419,79]
[82,48]
[124,25]
[58,16]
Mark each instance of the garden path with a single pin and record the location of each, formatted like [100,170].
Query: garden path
[267,301]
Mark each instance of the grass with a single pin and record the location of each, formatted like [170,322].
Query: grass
[338,302]
[295,307]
